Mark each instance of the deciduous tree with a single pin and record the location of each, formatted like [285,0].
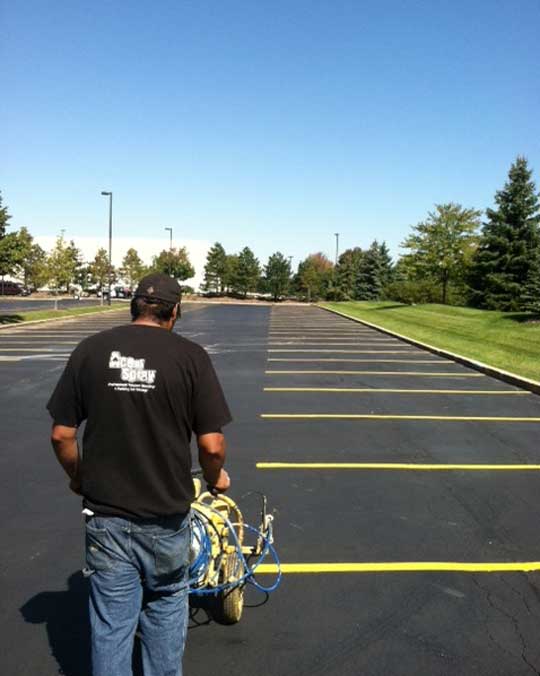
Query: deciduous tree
[174,262]
[133,268]
[440,246]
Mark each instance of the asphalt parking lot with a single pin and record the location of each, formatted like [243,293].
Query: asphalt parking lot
[375,456]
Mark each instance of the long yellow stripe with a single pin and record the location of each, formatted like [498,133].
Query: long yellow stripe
[324,351]
[400,567]
[407,466]
[353,360]
[382,373]
[376,390]
[374,416]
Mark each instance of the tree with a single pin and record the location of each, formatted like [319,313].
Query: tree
[442,244]
[231,271]
[387,265]
[11,253]
[133,268]
[4,218]
[314,276]
[174,262]
[32,265]
[504,274]
[99,269]
[370,277]
[248,272]
[215,269]
[63,264]
[345,274]
[277,273]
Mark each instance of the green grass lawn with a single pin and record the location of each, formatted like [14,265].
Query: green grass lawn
[508,340]
[18,317]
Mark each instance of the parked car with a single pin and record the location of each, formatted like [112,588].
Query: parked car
[10,289]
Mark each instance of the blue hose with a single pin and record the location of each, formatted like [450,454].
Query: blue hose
[199,567]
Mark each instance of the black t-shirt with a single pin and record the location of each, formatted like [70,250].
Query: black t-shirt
[142,391]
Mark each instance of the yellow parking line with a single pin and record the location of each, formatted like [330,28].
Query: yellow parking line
[405,351]
[376,390]
[433,374]
[362,361]
[377,416]
[400,567]
[406,466]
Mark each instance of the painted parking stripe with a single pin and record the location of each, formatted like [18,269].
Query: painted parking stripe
[401,466]
[427,374]
[381,416]
[379,390]
[400,567]
[323,351]
[361,361]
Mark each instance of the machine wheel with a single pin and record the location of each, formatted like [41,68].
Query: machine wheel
[230,603]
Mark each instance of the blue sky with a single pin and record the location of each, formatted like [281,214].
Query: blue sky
[271,124]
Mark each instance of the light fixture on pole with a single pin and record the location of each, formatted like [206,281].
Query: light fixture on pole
[109,195]
[336,234]
[170,249]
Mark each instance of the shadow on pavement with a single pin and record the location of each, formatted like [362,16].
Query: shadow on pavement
[65,614]
[11,319]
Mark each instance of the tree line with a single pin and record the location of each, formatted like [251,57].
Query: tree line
[63,268]
[454,256]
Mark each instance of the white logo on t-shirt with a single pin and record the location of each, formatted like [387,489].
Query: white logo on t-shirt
[132,371]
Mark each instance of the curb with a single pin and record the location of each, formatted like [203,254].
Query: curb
[506,376]
[57,319]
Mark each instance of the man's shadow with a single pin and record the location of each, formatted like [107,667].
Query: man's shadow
[65,615]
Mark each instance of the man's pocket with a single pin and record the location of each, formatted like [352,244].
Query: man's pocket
[98,549]
[171,553]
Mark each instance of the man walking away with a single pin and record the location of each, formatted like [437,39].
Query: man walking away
[142,390]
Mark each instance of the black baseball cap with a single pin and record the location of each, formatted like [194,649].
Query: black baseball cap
[159,287]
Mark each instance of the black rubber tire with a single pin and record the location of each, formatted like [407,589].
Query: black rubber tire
[230,603]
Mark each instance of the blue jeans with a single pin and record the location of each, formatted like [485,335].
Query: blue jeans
[138,573]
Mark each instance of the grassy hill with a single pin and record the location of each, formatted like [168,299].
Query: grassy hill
[508,340]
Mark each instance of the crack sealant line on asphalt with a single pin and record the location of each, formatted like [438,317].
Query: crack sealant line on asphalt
[400,567]
[401,466]
[486,369]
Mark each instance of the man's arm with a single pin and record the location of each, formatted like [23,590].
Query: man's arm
[212,459]
[64,441]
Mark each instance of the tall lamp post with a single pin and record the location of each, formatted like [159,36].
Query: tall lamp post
[336,234]
[170,249]
[109,195]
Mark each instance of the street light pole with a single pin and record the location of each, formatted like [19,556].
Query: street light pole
[337,246]
[109,195]
[170,249]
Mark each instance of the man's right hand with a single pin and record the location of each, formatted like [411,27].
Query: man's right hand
[222,484]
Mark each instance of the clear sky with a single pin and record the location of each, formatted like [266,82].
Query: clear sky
[267,123]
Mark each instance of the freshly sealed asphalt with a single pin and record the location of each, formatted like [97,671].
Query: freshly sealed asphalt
[369,623]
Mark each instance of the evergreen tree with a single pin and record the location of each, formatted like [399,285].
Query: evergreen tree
[387,265]
[247,272]
[277,273]
[504,274]
[231,270]
[215,269]
[346,273]
[4,218]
